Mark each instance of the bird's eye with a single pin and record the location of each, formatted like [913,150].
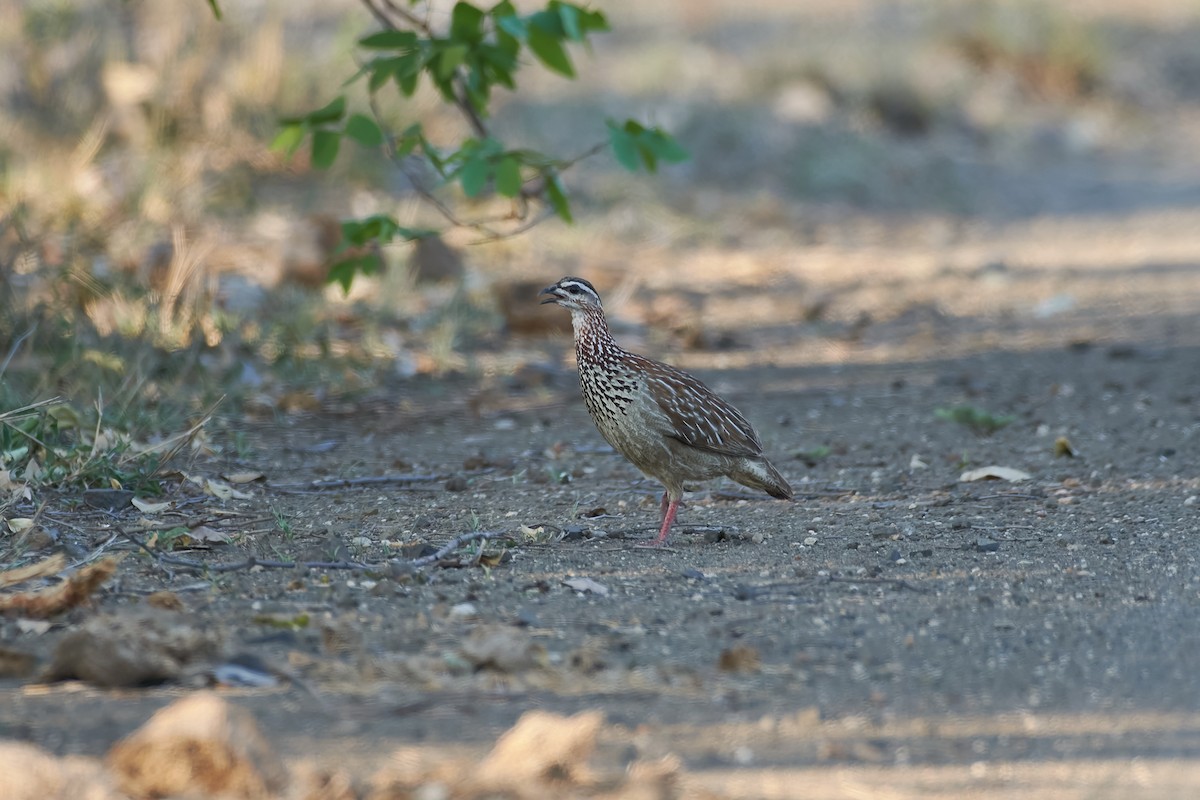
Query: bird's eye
[573,289]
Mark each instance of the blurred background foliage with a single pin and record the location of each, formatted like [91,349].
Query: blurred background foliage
[156,253]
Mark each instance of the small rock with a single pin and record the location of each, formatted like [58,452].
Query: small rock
[108,499]
[741,658]
[463,610]
[30,773]
[543,746]
[504,649]
[573,533]
[200,745]
[456,483]
[987,545]
[1191,501]
[586,585]
[527,618]
[132,648]
[693,574]
[809,541]
[15,663]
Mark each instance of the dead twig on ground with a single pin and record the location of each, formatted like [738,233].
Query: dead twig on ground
[350,483]
[899,583]
[454,544]
[182,562]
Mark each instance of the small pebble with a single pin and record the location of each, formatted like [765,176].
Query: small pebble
[456,483]
[526,618]
[463,610]
[1191,501]
[809,541]
[987,545]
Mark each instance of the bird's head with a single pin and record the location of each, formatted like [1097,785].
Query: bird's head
[574,294]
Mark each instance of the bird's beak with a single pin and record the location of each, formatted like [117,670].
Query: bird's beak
[552,291]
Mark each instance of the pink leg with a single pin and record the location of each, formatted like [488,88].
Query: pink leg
[669,511]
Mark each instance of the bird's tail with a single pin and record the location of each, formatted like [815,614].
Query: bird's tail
[761,474]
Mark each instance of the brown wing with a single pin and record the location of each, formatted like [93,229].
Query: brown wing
[695,415]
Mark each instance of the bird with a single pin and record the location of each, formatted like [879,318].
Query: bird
[664,421]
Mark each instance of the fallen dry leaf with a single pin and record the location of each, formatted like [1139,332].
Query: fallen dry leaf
[224,491]
[17,490]
[34,626]
[586,585]
[66,595]
[994,473]
[1062,447]
[165,600]
[47,566]
[147,507]
[205,534]
[19,524]
[243,477]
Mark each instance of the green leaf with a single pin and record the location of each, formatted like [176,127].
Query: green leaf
[508,177]
[216,10]
[407,84]
[379,76]
[569,15]
[592,21]
[666,148]
[364,130]
[343,271]
[547,21]
[557,197]
[624,147]
[382,69]
[550,52]
[389,40]
[289,138]
[512,25]
[328,113]
[407,141]
[466,23]
[325,146]
[449,60]
[647,154]
[498,63]
[474,176]
[636,146]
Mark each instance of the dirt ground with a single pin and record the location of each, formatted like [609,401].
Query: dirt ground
[897,632]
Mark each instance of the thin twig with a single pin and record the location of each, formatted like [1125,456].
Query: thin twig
[347,483]
[251,561]
[379,15]
[454,544]
[392,16]
[16,345]
[899,583]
